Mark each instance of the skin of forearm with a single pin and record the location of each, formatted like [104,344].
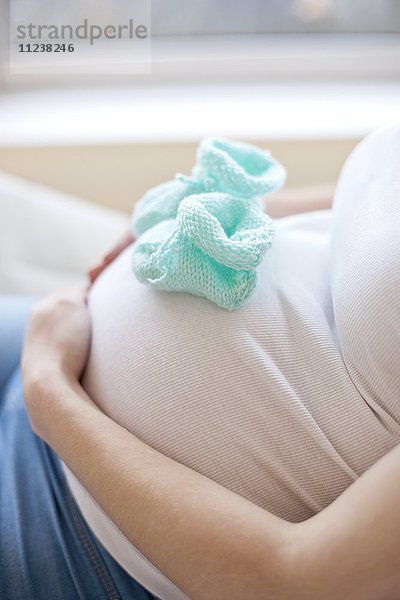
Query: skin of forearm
[297,200]
[210,542]
[351,550]
[214,544]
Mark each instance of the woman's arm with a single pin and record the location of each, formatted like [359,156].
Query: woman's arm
[351,549]
[297,200]
[210,542]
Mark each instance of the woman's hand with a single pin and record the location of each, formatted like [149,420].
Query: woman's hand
[58,335]
[123,243]
[56,348]
[210,542]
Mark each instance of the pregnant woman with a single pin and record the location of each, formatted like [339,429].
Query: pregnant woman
[210,454]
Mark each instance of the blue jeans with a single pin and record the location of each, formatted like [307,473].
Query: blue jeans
[47,551]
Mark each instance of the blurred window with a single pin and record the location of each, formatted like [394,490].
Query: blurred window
[182,17]
[235,40]
[177,17]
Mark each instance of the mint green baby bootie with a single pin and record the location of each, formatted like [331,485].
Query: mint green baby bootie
[237,168]
[222,165]
[205,234]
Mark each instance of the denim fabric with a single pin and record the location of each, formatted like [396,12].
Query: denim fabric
[47,551]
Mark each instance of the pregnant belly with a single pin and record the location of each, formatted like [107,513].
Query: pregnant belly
[256,399]
[252,398]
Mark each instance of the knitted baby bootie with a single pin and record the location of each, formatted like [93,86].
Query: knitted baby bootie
[205,234]
[237,168]
[222,165]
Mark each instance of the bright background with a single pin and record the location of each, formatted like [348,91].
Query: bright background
[305,78]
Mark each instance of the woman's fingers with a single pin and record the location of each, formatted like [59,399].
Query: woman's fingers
[58,334]
[125,241]
[73,295]
[95,271]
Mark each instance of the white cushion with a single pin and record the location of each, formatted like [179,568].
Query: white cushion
[49,239]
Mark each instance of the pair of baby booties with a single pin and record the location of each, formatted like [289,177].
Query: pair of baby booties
[205,234]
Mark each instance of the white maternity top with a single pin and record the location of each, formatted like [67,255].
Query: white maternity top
[285,401]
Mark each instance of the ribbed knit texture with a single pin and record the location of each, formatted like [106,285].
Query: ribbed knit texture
[366,272]
[285,402]
[206,234]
